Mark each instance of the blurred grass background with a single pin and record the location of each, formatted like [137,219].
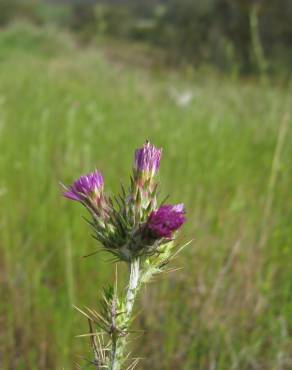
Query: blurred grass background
[66,109]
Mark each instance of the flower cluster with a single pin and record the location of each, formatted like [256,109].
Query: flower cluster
[136,230]
[133,224]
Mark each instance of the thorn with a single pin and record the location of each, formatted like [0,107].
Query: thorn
[91,254]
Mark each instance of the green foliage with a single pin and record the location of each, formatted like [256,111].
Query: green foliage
[13,9]
[23,37]
[7,10]
[249,36]
[219,32]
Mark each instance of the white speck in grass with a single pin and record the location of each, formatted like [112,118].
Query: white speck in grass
[181,98]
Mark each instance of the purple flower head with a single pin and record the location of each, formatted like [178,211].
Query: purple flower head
[86,187]
[166,220]
[147,159]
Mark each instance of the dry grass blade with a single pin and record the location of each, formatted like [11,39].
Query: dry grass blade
[96,317]
[169,271]
[89,335]
[133,364]
[273,179]
[77,366]
[82,312]
[93,342]
[181,248]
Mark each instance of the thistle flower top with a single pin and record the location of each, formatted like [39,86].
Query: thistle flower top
[88,186]
[166,220]
[147,159]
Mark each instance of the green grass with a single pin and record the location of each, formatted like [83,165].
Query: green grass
[65,112]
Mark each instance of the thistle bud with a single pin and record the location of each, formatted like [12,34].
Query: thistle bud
[146,165]
[166,220]
[147,161]
[88,190]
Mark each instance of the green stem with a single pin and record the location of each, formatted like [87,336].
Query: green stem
[114,363]
[133,285]
[118,345]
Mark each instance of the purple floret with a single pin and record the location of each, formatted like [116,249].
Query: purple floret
[148,158]
[86,186]
[166,220]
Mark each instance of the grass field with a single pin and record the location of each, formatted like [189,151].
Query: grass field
[227,155]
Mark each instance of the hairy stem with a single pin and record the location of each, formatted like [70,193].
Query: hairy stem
[118,345]
[114,361]
[134,272]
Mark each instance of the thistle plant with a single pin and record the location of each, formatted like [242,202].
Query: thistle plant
[136,230]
